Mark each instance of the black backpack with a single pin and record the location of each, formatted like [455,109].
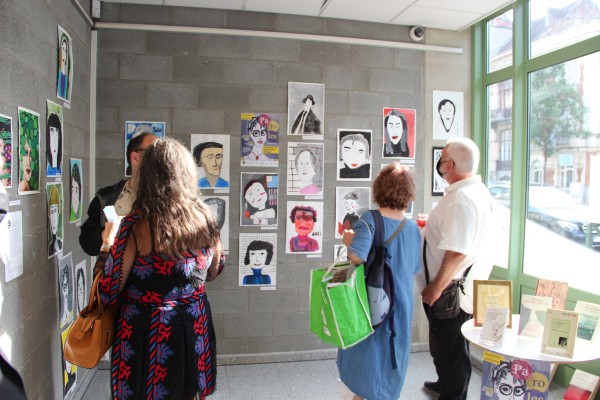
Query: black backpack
[380,280]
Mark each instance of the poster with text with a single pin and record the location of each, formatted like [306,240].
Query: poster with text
[305,168]
[258,259]
[448,114]
[211,153]
[29,151]
[306,109]
[350,204]
[219,205]
[258,203]
[54,139]
[259,136]
[64,81]
[354,154]
[399,133]
[304,227]
[134,129]
[54,202]
[6,144]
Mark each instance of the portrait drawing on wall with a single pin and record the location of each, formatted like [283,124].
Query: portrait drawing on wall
[350,204]
[65,290]
[258,199]
[54,139]
[6,144]
[305,168]
[259,136]
[54,201]
[306,109]
[448,114]
[64,80]
[258,259]
[211,153]
[354,155]
[75,189]
[135,128]
[304,230]
[438,184]
[29,151]
[69,370]
[220,208]
[399,133]
[81,291]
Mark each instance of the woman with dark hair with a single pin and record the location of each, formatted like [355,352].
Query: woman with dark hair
[396,135]
[258,254]
[80,290]
[53,146]
[75,194]
[355,157]
[367,368]
[160,258]
[257,209]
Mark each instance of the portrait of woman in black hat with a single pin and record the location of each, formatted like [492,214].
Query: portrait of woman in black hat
[307,122]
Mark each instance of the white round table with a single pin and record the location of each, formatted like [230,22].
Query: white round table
[528,347]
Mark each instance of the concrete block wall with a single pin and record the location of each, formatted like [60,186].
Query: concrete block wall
[200,83]
[29,321]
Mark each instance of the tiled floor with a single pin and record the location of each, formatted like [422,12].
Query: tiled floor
[306,380]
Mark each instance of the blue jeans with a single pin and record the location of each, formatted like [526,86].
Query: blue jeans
[450,352]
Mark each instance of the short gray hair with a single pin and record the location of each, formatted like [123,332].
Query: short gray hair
[465,154]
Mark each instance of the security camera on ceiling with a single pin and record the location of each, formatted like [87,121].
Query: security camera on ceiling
[417,33]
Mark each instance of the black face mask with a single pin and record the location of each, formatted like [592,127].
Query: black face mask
[437,167]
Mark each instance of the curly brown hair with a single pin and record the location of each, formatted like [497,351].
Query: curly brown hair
[394,187]
[168,193]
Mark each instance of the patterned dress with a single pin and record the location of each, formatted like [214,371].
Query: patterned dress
[164,346]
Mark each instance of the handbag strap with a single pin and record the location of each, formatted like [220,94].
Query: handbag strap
[462,279]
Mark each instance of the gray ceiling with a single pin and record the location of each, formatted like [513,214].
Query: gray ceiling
[453,15]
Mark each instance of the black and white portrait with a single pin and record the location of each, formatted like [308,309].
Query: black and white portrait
[448,115]
[219,205]
[65,290]
[306,108]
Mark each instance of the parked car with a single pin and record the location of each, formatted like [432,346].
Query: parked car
[556,210]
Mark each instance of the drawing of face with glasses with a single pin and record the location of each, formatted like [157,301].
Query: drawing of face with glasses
[258,134]
[507,385]
[209,156]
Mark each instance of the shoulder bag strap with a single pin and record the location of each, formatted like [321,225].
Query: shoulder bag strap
[396,232]
[462,280]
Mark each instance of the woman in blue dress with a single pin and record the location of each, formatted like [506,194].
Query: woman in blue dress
[366,368]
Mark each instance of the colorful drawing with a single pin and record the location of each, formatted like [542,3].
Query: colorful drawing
[305,168]
[304,233]
[29,151]
[258,259]
[259,199]
[54,200]
[354,155]
[54,139]
[76,186]
[351,203]
[69,370]
[306,108]
[211,153]
[399,133]
[6,150]
[260,140]
[64,82]
[135,128]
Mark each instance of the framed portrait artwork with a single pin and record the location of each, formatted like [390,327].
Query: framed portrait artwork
[399,127]
[305,168]
[211,154]
[6,144]
[306,108]
[354,154]
[438,184]
[259,140]
[491,293]
[258,203]
[134,129]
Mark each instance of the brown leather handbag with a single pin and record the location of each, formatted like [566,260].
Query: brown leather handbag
[92,333]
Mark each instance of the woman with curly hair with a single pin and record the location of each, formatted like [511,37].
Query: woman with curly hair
[155,266]
[376,367]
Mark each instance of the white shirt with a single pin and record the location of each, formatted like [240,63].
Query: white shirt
[462,222]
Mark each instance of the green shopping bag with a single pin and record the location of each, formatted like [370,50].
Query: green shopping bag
[339,312]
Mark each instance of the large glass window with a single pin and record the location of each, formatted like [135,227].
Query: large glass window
[499,96]
[563,206]
[558,23]
[500,37]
